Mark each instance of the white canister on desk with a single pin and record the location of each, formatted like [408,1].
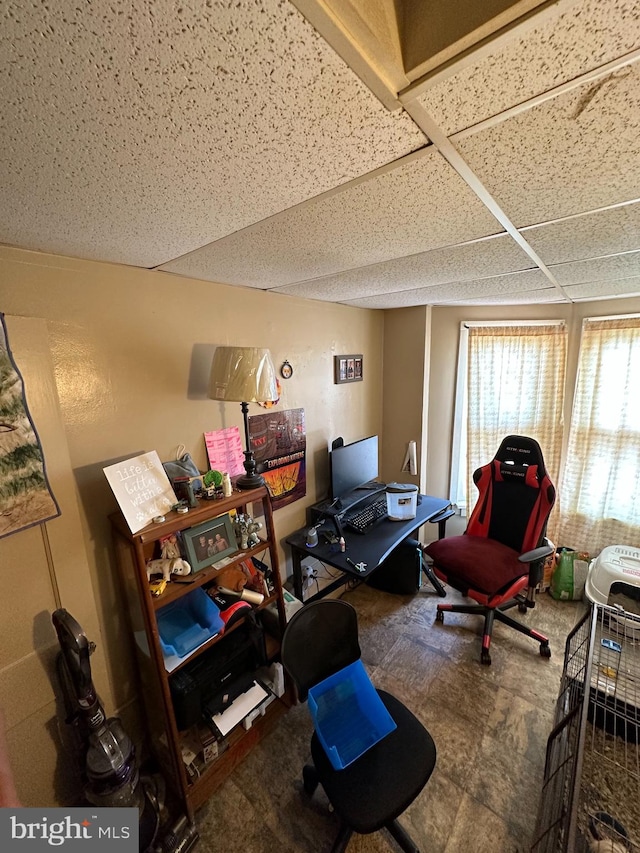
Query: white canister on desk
[402,501]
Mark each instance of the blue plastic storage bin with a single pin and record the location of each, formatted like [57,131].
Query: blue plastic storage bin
[188,622]
[348,715]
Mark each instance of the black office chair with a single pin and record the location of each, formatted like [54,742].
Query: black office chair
[370,793]
[502,551]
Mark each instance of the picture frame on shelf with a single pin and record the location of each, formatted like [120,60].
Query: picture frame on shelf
[347,368]
[207,543]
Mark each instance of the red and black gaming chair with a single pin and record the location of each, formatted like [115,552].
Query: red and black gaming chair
[502,551]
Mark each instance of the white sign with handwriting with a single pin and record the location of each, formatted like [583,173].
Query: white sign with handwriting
[142,489]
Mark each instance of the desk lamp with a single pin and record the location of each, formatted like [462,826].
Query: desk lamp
[244,375]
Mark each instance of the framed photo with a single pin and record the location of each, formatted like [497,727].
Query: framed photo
[209,542]
[347,368]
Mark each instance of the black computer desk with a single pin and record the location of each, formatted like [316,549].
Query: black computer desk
[371,548]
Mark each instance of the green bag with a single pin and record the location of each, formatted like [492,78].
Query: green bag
[570,575]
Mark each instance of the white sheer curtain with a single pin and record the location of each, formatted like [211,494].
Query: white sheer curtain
[515,385]
[600,494]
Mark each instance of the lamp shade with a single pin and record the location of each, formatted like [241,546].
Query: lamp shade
[243,375]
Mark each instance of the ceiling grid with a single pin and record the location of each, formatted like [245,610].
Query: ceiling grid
[232,143]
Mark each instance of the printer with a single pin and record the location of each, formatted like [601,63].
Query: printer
[208,684]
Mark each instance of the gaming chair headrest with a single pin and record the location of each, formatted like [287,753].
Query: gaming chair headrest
[508,472]
[520,450]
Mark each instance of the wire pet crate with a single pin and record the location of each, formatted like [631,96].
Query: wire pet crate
[591,788]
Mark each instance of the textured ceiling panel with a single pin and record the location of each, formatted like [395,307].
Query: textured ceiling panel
[226,140]
[458,295]
[499,285]
[605,289]
[530,297]
[419,205]
[588,35]
[457,263]
[598,269]
[136,132]
[606,232]
[576,152]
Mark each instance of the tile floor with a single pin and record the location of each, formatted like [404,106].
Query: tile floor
[490,725]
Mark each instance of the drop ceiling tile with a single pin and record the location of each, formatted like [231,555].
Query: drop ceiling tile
[609,289]
[530,297]
[612,268]
[407,299]
[586,36]
[502,286]
[137,132]
[603,232]
[421,204]
[577,152]
[493,256]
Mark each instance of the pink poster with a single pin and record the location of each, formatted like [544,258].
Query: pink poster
[224,451]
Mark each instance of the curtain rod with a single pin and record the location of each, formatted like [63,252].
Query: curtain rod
[611,317]
[468,324]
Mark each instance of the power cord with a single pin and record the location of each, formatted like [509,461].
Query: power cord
[330,574]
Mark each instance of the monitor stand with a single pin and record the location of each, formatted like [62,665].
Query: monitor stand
[362,493]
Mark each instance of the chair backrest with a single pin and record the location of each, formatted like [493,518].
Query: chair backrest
[320,639]
[516,495]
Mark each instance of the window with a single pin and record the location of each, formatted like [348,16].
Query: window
[600,494]
[510,380]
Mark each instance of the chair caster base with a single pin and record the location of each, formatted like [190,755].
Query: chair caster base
[439,616]
[485,658]
[545,650]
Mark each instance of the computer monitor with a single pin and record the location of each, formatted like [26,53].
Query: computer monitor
[352,466]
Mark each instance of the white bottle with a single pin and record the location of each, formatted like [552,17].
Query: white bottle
[227,488]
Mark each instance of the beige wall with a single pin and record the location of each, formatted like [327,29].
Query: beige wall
[405,377]
[41,567]
[130,351]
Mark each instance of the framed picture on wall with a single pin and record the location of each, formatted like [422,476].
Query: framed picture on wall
[347,368]
[207,543]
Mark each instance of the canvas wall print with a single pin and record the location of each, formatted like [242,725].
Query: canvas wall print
[25,495]
[279,442]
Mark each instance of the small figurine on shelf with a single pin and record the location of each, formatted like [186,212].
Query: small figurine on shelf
[167,567]
[227,488]
[253,538]
[170,547]
[212,485]
[240,530]
[246,530]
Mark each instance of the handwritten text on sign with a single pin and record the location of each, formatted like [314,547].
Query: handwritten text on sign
[142,489]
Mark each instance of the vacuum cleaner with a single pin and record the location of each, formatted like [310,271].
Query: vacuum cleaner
[105,754]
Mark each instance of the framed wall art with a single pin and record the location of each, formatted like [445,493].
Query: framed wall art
[347,368]
[209,542]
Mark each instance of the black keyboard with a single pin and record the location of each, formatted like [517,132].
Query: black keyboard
[363,518]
